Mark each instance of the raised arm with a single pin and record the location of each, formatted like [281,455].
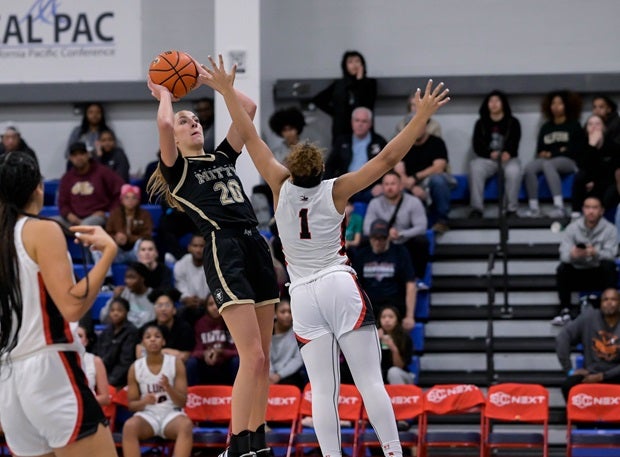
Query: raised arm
[165,122]
[350,183]
[248,105]
[272,171]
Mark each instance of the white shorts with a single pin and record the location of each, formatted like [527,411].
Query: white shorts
[330,304]
[45,403]
[159,422]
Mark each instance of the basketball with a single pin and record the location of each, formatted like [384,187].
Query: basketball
[174,70]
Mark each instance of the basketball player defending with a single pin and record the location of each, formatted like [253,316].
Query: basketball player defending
[330,310]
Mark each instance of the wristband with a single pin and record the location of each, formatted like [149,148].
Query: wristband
[571,372]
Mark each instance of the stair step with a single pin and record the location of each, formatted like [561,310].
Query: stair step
[493,222]
[502,328]
[491,236]
[429,378]
[477,251]
[478,344]
[481,298]
[476,361]
[472,283]
[463,267]
[478,312]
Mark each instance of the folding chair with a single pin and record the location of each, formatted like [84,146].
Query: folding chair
[444,399]
[349,409]
[109,411]
[408,403]
[523,403]
[282,409]
[209,407]
[596,404]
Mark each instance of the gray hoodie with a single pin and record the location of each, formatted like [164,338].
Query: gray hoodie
[603,236]
[601,344]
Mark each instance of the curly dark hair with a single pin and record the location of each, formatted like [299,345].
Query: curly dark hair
[287,117]
[572,104]
[305,162]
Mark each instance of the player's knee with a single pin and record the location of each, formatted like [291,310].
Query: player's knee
[131,428]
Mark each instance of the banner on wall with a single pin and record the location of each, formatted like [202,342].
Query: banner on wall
[44,41]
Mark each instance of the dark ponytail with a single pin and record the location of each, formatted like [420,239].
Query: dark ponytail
[19,177]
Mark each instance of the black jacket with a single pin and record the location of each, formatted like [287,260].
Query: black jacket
[342,153]
[118,351]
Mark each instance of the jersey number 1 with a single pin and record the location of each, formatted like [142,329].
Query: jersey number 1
[304,233]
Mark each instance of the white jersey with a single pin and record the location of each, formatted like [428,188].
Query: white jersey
[88,366]
[311,229]
[150,383]
[43,327]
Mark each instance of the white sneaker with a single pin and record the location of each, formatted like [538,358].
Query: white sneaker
[531,213]
[556,213]
[247,454]
[421,285]
[561,319]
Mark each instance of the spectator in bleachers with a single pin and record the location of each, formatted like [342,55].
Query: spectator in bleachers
[214,359]
[385,273]
[94,370]
[597,330]
[587,252]
[116,343]
[12,140]
[424,172]
[396,347]
[288,124]
[433,127]
[351,91]
[607,109]
[108,153]
[158,275]
[355,227]
[93,123]
[597,163]
[351,151]
[190,280]
[157,394]
[129,223]
[406,218]
[136,293]
[87,191]
[178,334]
[560,139]
[286,365]
[495,140]
[203,107]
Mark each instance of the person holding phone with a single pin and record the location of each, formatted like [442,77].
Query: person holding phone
[587,254]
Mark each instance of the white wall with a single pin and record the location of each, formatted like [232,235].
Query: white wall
[306,38]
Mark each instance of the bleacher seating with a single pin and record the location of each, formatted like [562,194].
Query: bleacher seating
[461,192]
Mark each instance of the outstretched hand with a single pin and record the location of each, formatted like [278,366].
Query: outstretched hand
[216,77]
[432,100]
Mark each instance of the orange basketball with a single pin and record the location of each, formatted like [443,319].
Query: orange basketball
[175,70]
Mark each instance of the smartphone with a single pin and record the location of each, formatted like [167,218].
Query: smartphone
[581,245]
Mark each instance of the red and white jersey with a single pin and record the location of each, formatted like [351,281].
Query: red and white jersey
[43,327]
[149,383]
[311,230]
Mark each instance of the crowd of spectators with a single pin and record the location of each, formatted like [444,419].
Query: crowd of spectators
[164,282]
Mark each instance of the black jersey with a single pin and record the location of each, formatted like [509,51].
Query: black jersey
[209,190]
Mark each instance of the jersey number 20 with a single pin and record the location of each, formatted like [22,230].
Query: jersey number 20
[304,232]
[230,192]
